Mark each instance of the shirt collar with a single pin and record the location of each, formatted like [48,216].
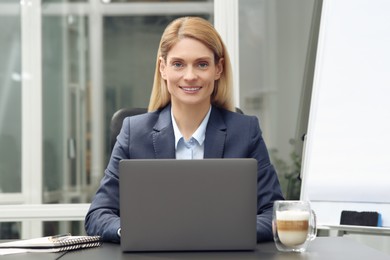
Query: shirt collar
[200,133]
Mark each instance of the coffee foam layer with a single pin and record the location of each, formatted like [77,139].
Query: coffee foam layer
[292,215]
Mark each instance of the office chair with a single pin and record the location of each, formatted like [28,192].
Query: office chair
[238,110]
[121,114]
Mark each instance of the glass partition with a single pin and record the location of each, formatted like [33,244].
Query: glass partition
[10,100]
[65,103]
[275,43]
[76,228]
[10,230]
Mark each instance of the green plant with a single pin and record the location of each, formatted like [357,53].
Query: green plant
[289,173]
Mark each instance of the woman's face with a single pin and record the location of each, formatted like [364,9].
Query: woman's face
[190,73]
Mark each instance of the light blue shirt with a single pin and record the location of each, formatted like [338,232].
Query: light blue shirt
[194,147]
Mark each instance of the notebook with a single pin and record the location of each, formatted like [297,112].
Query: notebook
[188,205]
[50,244]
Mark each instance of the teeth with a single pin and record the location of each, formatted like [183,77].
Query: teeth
[191,89]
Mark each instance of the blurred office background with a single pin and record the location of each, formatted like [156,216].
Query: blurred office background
[68,65]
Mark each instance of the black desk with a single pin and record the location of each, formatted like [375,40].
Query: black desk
[321,248]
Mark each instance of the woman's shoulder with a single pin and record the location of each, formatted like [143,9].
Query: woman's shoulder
[236,120]
[141,120]
[155,119]
[239,123]
[235,115]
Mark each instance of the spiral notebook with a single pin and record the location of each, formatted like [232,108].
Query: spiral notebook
[57,243]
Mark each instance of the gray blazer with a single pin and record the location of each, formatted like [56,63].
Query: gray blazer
[150,135]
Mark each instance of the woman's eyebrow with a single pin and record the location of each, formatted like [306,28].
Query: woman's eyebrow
[207,58]
[175,58]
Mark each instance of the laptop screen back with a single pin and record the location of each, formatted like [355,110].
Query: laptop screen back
[180,205]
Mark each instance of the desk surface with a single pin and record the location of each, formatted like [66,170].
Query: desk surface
[321,248]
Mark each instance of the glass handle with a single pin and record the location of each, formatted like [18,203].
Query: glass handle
[313,225]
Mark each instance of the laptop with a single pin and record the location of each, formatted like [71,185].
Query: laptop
[188,205]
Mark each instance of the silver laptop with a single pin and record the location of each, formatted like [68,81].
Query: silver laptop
[188,205]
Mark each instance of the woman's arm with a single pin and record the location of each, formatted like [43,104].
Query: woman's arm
[103,217]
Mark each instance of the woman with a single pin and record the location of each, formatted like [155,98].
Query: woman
[191,116]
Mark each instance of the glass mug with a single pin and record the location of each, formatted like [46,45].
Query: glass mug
[293,225]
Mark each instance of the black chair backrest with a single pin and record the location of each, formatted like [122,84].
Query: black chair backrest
[117,121]
[238,110]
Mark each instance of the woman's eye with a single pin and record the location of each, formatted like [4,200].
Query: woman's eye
[203,65]
[177,64]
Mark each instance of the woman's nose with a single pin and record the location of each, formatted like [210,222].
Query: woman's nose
[190,73]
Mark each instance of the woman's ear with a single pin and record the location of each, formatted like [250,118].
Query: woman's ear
[162,68]
[219,69]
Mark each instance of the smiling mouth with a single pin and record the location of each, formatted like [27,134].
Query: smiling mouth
[191,89]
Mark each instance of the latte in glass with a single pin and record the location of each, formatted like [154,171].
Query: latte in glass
[292,226]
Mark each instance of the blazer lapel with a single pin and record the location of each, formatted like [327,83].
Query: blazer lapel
[215,135]
[163,135]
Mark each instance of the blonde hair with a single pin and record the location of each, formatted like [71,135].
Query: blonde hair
[199,29]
